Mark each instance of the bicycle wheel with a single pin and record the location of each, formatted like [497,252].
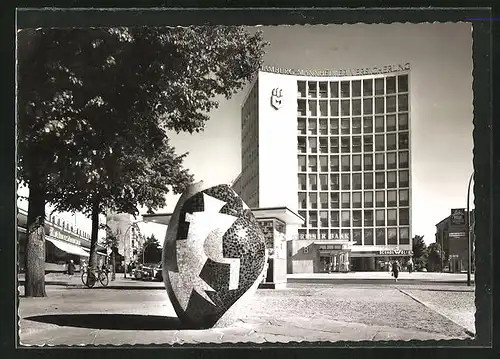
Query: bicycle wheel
[103,278]
[88,279]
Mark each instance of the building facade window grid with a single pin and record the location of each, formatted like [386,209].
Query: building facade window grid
[352,131]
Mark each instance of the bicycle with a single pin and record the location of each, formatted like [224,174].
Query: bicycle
[89,278]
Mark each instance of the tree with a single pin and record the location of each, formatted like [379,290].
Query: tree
[419,252]
[436,257]
[110,242]
[93,105]
[151,250]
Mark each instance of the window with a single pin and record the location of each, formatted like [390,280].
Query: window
[402,103]
[379,161]
[368,199]
[392,217]
[323,163]
[379,105]
[403,121]
[312,106]
[323,126]
[334,144]
[390,84]
[301,144]
[356,88]
[334,182]
[302,182]
[404,216]
[302,200]
[334,163]
[334,200]
[334,89]
[392,198]
[346,184]
[380,236]
[368,237]
[323,200]
[313,130]
[323,144]
[345,126]
[345,107]
[404,197]
[368,180]
[391,160]
[368,162]
[404,235]
[368,218]
[367,106]
[346,218]
[403,159]
[356,200]
[323,234]
[313,164]
[346,165]
[313,219]
[356,181]
[301,108]
[380,217]
[368,143]
[356,162]
[368,87]
[345,89]
[346,234]
[312,87]
[313,182]
[356,107]
[403,83]
[356,125]
[379,143]
[313,200]
[313,234]
[379,180]
[379,86]
[379,123]
[323,89]
[346,199]
[301,87]
[403,141]
[391,104]
[334,218]
[403,178]
[391,179]
[380,198]
[356,219]
[391,122]
[334,107]
[323,182]
[392,236]
[356,144]
[391,141]
[301,126]
[323,219]
[313,146]
[302,163]
[367,124]
[357,237]
[345,143]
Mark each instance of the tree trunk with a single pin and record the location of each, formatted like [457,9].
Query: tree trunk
[34,284]
[93,237]
[113,262]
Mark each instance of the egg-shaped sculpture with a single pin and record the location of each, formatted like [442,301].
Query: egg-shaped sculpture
[213,256]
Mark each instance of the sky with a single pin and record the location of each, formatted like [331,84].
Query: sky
[440,55]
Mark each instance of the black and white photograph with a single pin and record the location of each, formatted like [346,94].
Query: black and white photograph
[224,184]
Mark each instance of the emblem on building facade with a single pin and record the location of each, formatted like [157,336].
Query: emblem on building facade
[277,98]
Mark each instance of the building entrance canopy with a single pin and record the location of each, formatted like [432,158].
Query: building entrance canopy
[68,247]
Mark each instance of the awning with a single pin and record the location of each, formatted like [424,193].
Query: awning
[99,253]
[68,247]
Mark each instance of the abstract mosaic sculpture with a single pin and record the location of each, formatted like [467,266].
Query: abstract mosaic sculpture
[213,256]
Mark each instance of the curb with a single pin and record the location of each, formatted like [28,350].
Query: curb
[467,331]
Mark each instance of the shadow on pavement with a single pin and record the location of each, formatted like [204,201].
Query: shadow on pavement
[111,321]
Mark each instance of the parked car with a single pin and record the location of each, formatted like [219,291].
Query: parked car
[152,271]
[137,272]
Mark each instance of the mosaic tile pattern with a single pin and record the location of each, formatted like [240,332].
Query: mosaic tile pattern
[214,253]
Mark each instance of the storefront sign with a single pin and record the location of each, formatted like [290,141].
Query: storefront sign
[56,233]
[329,247]
[396,252]
[457,234]
[458,216]
[323,236]
[339,73]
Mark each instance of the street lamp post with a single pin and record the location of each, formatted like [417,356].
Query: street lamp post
[468,232]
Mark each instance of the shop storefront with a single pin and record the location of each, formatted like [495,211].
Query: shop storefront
[334,257]
[379,260]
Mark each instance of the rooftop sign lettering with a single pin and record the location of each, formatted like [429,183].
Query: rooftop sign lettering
[375,70]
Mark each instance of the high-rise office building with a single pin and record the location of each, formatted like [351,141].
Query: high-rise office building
[335,148]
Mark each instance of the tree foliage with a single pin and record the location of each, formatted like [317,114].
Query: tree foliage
[436,257]
[151,250]
[419,252]
[94,106]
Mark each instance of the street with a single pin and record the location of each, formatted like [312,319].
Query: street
[117,315]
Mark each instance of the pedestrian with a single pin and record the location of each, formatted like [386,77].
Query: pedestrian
[395,270]
[71,267]
[410,265]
